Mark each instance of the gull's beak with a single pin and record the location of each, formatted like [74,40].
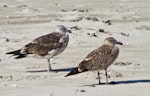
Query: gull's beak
[69,31]
[120,43]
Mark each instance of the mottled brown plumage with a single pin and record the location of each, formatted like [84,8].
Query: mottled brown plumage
[46,46]
[99,59]
[47,42]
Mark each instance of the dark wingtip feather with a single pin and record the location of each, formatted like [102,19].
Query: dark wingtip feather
[16,52]
[9,52]
[73,72]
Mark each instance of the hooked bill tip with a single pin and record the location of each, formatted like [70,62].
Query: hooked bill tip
[120,43]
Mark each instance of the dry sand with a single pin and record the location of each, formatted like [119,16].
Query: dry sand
[21,21]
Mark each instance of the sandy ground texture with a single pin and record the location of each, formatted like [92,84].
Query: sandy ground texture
[90,21]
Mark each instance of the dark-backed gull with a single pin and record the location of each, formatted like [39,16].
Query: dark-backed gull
[46,46]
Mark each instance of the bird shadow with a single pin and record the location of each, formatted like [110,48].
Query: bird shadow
[37,71]
[121,82]
[133,81]
[54,70]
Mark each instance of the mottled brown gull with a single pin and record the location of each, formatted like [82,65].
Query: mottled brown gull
[46,46]
[99,59]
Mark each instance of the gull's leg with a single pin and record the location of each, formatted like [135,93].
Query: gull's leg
[98,74]
[106,76]
[49,65]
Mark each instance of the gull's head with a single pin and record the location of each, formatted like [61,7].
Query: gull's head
[61,29]
[112,41]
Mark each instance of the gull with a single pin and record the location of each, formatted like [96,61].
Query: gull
[46,46]
[99,59]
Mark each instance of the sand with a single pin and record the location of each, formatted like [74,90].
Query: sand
[21,21]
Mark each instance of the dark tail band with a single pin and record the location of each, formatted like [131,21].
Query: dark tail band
[20,56]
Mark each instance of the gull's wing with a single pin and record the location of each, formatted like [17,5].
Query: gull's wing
[40,46]
[100,58]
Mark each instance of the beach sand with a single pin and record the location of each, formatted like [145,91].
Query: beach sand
[128,21]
